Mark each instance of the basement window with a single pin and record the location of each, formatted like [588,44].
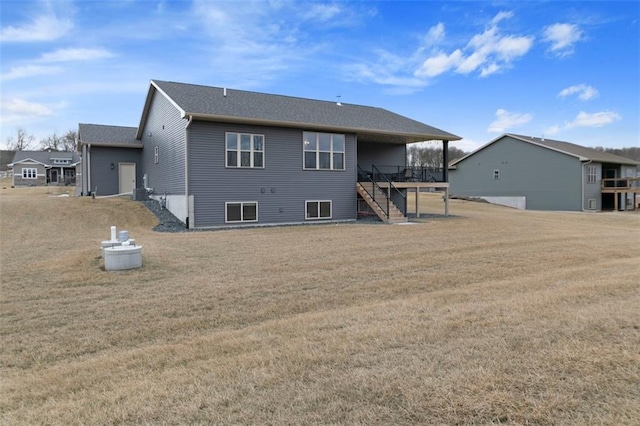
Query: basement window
[241,212]
[591,204]
[29,173]
[496,174]
[317,210]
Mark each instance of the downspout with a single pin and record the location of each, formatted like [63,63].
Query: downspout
[583,180]
[186,167]
[89,169]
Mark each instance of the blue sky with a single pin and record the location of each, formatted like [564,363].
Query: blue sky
[565,70]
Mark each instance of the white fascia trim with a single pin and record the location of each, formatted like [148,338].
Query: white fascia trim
[310,126]
[28,161]
[147,104]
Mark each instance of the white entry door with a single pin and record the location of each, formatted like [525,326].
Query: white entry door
[126,177]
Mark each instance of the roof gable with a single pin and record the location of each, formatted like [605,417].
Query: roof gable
[582,153]
[220,104]
[45,157]
[102,135]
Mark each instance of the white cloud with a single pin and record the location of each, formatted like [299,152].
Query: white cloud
[500,16]
[562,38]
[597,119]
[16,107]
[322,12]
[439,64]
[42,28]
[76,54]
[506,120]
[583,91]
[435,35]
[487,52]
[553,130]
[30,71]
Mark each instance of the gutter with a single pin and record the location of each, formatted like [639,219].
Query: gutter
[316,126]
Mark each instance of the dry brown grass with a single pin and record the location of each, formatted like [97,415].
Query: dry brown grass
[493,316]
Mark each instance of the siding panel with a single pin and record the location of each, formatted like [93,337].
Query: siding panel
[103,176]
[165,129]
[280,189]
[548,179]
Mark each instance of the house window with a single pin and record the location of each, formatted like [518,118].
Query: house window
[318,210]
[591,204]
[323,151]
[156,151]
[245,150]
[591,174]
[29,173]
[241,212]
[496,174]
[59,161]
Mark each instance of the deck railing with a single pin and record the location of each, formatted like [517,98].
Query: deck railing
[409,173]
[621,183]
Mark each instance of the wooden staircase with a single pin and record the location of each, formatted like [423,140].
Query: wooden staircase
[395,215]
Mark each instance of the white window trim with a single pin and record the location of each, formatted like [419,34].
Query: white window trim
[318,151]
[25,171]
[496,174]
[319,217]
[242,203]
[238,151]
[592,177]
[60,161]
[592,204]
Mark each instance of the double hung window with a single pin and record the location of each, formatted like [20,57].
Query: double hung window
[241,212]
[29,173]
[591,174]
[245,150]
[323,151]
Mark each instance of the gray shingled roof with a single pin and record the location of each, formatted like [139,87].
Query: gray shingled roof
[44,157]
[581,152]
[370,123]
[101,135]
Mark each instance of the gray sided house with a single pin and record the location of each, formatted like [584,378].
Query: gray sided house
[220,157]
[544,174]
[37,168]
[111,159]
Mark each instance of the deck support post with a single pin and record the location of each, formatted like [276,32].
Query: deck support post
[446,200]
[417,201]
[445,161]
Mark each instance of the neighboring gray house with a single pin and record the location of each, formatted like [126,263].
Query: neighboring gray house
[222,157]
[544,174]
[38,168]
[111,157]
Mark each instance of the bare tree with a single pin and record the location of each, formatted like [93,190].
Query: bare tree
[69,141]
[21,141]
[51,143]
[427,156]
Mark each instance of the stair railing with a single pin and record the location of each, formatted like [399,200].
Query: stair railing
[364,176]
[376,173]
